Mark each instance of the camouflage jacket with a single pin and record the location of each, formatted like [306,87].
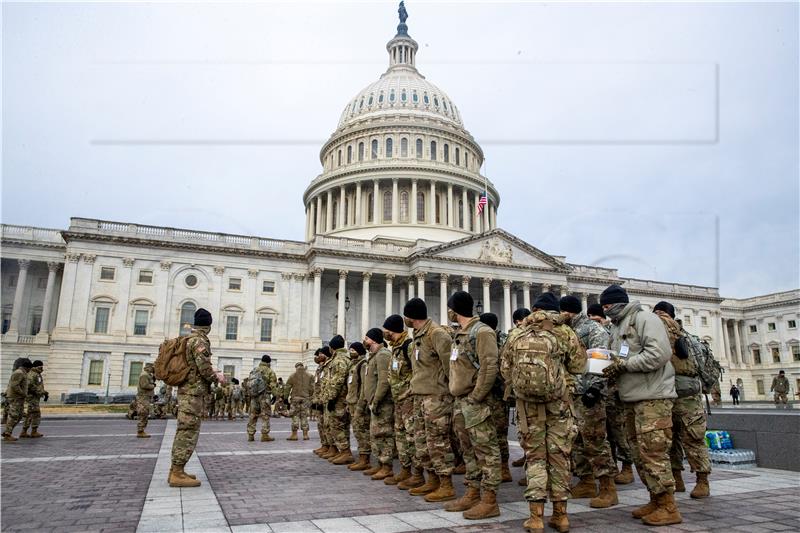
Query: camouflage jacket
[400,368]
[508,392]
[355,381]
[780,385]
[17,385]
[334,386]
[270,380]
[683,367]
[280,390]
[198,355]
[591,335]
[430,359]
[147,385]
[320,375]
[35,385]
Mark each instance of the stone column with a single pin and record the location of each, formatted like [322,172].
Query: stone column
[413,201]
[340,310]
[365,277]
[507,304]
[119,322]
[318,214]
[476,215]
[493,217]
[485,213]
[402,296]
[739,355]
[52,269]
[389,293]
[487,295]
[514,301]
[584,301]
[286,287]
[443,298]
[421,284]
[410,287]
[22,279]
[376,188]
[316,307]
[526,295]
[563,291]
[465,283]
[329,212]
[67,290]
[341,216]
[724,339]
[395,201]
[451,219]
[433,203]
[465,208]
[359,219]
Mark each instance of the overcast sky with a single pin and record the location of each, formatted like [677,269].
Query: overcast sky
[616,134]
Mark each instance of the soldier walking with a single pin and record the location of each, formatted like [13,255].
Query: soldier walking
[262,383]
[36,392]
[333,396]
[16,392]
[357,406]
[780,386]
[379,399]
[299,387]
[144,397]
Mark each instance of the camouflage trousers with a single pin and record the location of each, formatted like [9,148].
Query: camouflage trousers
[649,427]
[360,418]
[236,408]
[475,427]
[500,414]
[299,411]
[14,412]
[190,409]
[339,425]
[433,415]
[615,429]
[322,428]
[381,432]
[33,414]
[259,408]
[404,430]
[142,412]
[591,452]
[548,430]
[688,435]
[781,398]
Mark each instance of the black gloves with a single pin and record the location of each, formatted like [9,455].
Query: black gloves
[46,396]
[591,397]
[332,405]
[616,369]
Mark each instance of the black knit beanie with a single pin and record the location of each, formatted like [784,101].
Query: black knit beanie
[336,342]
[520,314]
[394,323]
[614,295]
[266,359]
[202,317]
[570,304]
[666,307]
[490,319]
[359,348]
[37,363]
[376,335]
[546,302]
[461,302]
[595,310]
[415,309]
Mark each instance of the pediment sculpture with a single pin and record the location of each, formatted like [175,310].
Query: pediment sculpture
[496,251]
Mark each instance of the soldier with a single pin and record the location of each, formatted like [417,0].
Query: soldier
[646,382]
[322,358]
[591,451]
[190,398]
[357,406]
[333,395]
[517,317]
[377,393]
[473,372]
[400,384]
[299,388]
[219,402]
[4,407]
[227,395]
[780,386]
[433,404]
[16,393]
[262,384]
[688,416]
[536,364]
[35,392]
[237,397]
[144,397]
[246,397]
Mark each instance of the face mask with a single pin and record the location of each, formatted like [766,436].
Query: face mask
[408,323]
[451,316]
[614,310]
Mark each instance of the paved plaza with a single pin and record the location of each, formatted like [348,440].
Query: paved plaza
[92,474]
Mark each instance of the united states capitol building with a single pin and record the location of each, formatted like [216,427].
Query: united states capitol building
[393,214]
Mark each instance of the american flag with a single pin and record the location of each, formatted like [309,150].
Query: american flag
[482,201]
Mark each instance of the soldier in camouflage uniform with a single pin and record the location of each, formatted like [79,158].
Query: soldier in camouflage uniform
[333,395]
[357,405]
[400,383]
[377,393]
[646,382]
[144,397]
[280,399]
[190,399]
[591,451]
[237,399]
[246,397]
[260,405]
[36,392]
[321,357]
[299,388]
[544,410]
[780,386]
[473,372]
[16,393]
[433,403]
[688,416]
[517,317]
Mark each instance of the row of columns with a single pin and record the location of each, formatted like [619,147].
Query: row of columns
[19,295]
[736,350]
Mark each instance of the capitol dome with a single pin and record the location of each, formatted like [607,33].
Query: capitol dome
[400,164]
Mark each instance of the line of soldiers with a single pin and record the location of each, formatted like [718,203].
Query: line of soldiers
[21,399]
[433,393]
[229,401]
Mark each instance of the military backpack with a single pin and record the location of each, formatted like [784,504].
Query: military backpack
[237,393]
[257,385]
[537,374]
[171,365]
[690,346]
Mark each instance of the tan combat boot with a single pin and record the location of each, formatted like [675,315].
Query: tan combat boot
[404,474]
[251,438]
[585,488]
[384,472]
[371,471]
[487,508]
[701,489]
[665,514]
[646,509]
[331,453]
[679,484]
[35,433]
[322,449]
[344,458]
[24,434]
[293,436]
[625,477]
[417,479]
[534,524]
[505,474]
[431,485]
[8,437]
[607,496]
[178,478]
[362,464]
[470,498]
[559,520]
[518,462]
[142,435]
[305,434]
[444,493]
[266,438]
[460,469]
[523,481]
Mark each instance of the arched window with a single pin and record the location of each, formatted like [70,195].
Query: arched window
[347,211]
[461,213]
[339,159]
[438,210]
[458,156]
[335,214]
[361,151]
[466,159]
[433,150]
[349,154]
[403,147]
[389,147]
[420,206]
[370,204]
[374,154]
[187,318]
[404,206]
[446,153]
[387,206]
[419,148]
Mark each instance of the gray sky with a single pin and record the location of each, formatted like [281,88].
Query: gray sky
[615,133]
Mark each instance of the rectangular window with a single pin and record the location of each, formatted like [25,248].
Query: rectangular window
[703,321]
[231,328]
[134,372]
[760,386]
[12,281]
[95,372]
[101,319]
[229,371]
[36,324]
[140,322]
[6,322]
[107,273]
[753,328]
[41,283]
[792,324]
[796,353]
[687,320]
[268,287]
[756,356]
[266,330]
[776,354]
[770,326]
[234,284]
[146,276]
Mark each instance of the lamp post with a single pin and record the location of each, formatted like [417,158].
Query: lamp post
[479,307]
[346,309]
